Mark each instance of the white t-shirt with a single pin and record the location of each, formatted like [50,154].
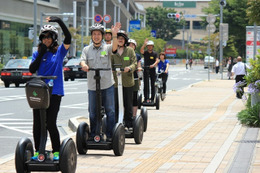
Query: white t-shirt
[239,68]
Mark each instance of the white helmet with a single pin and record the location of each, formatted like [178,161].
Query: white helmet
[132,41]
[48,28]
[150,42]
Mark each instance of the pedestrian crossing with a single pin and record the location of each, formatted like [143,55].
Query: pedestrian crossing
[19,125]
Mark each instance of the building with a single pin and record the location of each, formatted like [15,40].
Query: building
[194,31]
[17,20]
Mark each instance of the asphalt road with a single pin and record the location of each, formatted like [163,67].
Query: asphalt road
[16,115]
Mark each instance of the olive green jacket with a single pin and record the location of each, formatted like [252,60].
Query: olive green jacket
[127,59]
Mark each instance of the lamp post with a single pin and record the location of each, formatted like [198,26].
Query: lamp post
[222,3]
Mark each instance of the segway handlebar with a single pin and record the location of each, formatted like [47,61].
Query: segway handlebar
[39,77]
[99,69]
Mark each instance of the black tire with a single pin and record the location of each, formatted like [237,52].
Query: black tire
[72,79]
[66,79]
[82,137]
[139,101]
[144,115]
[157,101]
[7,84]
[68,156]
[118,140]
[138,130]
[23,153]
[17,84]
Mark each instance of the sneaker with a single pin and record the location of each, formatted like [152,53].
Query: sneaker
[35,157]
[56,156]
[163,96]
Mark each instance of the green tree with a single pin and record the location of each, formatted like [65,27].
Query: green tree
[253,11]
[140,35]
[156,19]
[234,13]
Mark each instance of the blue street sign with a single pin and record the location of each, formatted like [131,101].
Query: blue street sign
[98,18]
[153,33]
[190,15]
[134,24]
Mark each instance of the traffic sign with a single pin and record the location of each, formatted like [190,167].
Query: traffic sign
[107,18]
[211,18]
[211,28]
[190,16]
[224,31]
[98,18]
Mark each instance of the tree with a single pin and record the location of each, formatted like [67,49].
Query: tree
[140,35]
[234,13]
[253,11]
[156,19]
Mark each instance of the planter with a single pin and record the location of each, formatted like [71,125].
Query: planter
[255,98]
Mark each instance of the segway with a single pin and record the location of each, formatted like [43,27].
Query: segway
[100,142]
[137,130]
[155,102]
[159,85]
[38,95]
[144,113]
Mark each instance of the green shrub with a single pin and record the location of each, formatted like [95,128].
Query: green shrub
[1,66]
[250,116]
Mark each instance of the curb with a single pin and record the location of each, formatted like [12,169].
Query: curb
[75,121]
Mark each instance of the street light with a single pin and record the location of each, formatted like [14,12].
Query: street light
[222,3]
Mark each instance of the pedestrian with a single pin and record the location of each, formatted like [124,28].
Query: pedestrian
[97,55]
[125,56]
[229,67]
[151,60]
[108,36]
[217,66]
[163,66]
[48,61]
[132,43]
[187,63]
[239,70]
[190,63]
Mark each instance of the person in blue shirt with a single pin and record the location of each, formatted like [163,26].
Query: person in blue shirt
[48,61]
[163,67]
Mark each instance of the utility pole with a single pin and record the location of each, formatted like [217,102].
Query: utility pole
[222,3]
[35,24]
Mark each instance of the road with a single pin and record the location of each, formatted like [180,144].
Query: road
[16,115]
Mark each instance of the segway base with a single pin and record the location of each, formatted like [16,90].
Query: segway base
[102,145]
[47,165]
[148,104]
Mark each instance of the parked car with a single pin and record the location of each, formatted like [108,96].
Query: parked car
[14,71]
[209,61]
[72,70]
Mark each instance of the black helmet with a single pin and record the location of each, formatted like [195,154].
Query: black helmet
[123,34]
[97,27]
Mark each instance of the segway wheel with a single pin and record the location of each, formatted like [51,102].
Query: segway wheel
[118,141]
[138,130]
[139,101]
[82,137]
[68,156]
[23,153]
[157,101]
[144,115]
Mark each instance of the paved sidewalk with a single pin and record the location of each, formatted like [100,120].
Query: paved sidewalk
[195,130]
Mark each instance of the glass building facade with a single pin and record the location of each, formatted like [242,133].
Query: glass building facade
[14,41]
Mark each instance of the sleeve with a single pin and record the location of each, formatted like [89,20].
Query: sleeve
[233,69]
[83,56]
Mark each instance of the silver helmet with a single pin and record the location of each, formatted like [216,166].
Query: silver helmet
[51,29]
[132,41]
[97,27]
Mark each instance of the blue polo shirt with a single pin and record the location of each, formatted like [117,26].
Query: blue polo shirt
[162,65]
[52,65]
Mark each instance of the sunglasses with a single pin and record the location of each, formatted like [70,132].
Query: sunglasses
[47,37]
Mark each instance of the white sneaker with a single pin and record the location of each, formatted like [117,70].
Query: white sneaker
[163,96]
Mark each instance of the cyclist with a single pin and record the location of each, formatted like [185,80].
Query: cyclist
[108,36]
[97,55]
[163,67]
[126,57]
[151,60]
[48,61]
[132,43]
